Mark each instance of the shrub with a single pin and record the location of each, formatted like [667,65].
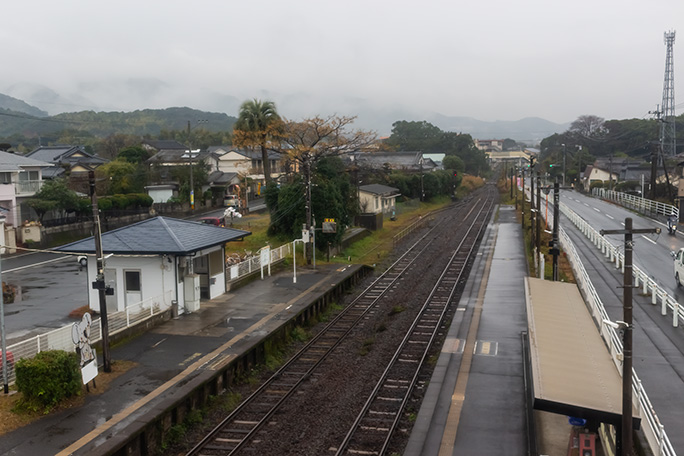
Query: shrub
[47,378]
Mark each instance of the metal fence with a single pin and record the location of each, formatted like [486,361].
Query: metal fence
[637,203]
[61,338]
[253,263]
[653,429]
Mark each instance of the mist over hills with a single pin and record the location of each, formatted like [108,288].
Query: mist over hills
[108,99]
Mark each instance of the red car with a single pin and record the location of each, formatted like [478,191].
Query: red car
[216,221]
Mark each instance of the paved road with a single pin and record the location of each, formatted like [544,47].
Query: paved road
[658,347]
[48,287]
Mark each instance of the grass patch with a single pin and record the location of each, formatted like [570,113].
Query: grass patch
[397,310]
[11,420]
[366,346]
[299,334]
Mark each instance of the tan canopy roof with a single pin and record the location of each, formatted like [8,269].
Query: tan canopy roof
[572,371]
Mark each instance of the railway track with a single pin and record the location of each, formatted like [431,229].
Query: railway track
[375,424]
[240,430]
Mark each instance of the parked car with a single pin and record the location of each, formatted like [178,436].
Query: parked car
[216,221]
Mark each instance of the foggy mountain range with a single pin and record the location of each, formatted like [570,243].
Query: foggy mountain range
[137,94]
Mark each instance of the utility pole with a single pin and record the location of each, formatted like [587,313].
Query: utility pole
[625,443]
[192,187]
[538,227]
[99,283]
[532,202]
[522,199]
[310,246]
[555,251]
[512,174]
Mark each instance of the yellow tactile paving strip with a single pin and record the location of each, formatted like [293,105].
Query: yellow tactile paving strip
[446,447]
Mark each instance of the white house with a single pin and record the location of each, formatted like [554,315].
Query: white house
[159,260]
[21,177]
[377,198]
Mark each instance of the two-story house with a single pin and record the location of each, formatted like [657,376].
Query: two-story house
[20,178]
[72,159]
[231,167]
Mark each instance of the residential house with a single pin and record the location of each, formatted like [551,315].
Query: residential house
[21,177]
[163,161]
[67,160]
[489,145]
[617,170]
[409,161]
[234,169]
[378,199]
[159,260]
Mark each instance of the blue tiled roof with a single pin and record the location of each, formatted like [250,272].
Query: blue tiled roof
[158,235]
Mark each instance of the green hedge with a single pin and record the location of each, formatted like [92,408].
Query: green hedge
[47,378]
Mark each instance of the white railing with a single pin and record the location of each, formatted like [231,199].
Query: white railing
[637,203]
[60,339]
[27,186]
[653,430]
[253,263]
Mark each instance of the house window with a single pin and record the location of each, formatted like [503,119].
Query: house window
[376,202]
[132,281]
[5,178]
[28,176]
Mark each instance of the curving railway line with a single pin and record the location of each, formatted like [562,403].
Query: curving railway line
[425,282]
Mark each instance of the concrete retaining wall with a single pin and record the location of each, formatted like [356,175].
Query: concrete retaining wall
[146,435]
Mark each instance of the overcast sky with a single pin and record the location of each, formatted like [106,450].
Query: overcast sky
[491,60]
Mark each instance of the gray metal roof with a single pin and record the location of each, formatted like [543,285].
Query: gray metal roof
[16,162]
[379,189]
[158,236]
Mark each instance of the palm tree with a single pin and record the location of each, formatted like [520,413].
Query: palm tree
[256,120]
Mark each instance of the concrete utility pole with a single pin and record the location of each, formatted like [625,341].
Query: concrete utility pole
[624,446]
[99,283]
[555,251]
[522,199]
[538,227]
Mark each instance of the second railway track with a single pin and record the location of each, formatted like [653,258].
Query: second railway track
[275,408]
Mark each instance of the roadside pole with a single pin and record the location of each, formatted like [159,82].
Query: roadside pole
[624,446]
[99,283]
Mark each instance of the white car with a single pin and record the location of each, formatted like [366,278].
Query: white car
[679,266]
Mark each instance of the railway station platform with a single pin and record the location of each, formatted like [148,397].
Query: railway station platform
[475,402]
[174,357]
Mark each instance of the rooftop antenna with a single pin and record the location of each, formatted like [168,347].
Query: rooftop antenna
[667,125]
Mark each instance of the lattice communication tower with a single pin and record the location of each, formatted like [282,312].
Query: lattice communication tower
[667,126]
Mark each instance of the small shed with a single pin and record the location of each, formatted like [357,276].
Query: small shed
[159,260]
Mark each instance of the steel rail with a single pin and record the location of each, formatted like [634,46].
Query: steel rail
[227,440]
[375,424]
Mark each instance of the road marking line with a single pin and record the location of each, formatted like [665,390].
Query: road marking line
[648,239]
[610,216]
[117,418]
[597,209]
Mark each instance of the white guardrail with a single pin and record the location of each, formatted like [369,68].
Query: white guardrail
[653,429]
[637,203]
[61,338]
[253,263]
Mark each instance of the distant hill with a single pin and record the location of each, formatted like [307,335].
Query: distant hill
[103,124]
[8,103]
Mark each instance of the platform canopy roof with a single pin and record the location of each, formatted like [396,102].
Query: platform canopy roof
[572,371]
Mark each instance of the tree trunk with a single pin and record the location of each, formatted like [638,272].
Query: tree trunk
[266,163]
